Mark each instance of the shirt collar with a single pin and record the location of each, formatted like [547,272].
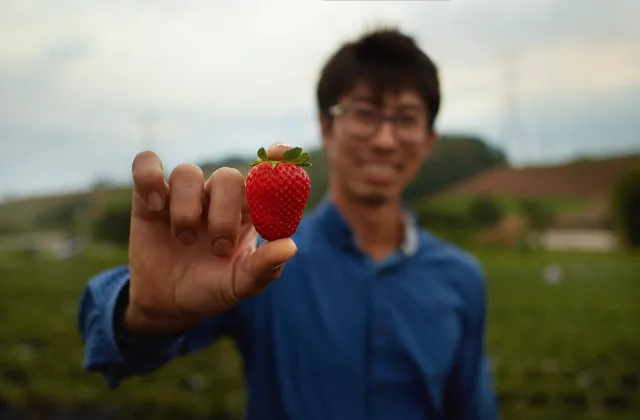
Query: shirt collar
[335,226]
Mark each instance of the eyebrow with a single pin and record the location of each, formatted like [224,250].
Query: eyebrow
[363,98]
[404,107]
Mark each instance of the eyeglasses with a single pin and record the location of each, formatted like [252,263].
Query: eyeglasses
[362,122]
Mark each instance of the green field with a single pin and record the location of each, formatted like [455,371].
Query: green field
[564,351]
[461,203]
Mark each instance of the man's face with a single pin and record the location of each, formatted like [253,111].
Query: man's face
[373,162]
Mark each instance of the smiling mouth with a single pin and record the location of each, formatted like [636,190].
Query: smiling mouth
[379,173]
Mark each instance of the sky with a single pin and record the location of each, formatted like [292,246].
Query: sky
[84,87]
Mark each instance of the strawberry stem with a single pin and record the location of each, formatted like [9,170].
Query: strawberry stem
[295,156]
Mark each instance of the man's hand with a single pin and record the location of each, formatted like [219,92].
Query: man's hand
[192,248]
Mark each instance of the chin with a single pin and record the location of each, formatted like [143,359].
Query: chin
[373,197]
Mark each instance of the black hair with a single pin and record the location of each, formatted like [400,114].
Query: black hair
[385,60]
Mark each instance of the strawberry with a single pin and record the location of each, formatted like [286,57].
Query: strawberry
[277,192]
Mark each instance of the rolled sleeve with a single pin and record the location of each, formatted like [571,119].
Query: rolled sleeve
[104,351]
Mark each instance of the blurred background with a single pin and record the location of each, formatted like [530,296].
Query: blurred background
[536,172]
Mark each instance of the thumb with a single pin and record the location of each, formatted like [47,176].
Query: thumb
[262,267]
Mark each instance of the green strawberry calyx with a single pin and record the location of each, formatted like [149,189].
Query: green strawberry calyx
[295,156]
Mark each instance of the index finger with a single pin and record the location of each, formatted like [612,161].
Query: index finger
[276,150]
[148,180]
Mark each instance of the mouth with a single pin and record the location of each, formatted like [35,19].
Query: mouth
[379,173]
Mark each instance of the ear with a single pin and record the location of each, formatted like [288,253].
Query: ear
[325,127]
[429,143]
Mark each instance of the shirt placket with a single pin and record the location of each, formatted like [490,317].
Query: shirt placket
[379,323]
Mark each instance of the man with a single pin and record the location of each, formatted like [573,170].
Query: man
[360,315]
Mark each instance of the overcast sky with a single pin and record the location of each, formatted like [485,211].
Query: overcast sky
[211,78]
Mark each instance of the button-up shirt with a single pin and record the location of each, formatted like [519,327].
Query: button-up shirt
[338,335]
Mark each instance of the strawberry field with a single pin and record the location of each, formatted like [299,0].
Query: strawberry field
[565,347]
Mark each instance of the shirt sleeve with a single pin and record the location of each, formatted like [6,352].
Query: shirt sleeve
[470,393]
[118,357]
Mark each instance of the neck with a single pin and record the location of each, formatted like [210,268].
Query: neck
[378,229]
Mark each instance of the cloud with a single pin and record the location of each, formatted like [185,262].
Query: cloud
[77,79]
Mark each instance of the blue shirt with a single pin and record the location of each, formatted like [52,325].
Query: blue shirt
[338,335]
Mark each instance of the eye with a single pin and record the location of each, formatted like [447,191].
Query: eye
[407,120]
[365,115]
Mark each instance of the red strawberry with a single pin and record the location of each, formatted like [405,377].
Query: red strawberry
[277,192]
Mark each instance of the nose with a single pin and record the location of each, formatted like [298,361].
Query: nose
[384,138]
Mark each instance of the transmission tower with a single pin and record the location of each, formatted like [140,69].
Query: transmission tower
[512,133]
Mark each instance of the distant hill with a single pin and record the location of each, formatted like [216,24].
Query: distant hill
[455,158]
[55,211]
[583,179]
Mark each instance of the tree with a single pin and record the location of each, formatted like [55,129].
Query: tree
[63,216]
[484,211]
[537,214]
[114,224]
[319,175]
[626,208]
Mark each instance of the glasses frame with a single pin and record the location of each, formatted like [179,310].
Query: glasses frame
[339,110]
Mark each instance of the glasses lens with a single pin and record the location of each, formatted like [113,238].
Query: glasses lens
[410,128]
[362,122]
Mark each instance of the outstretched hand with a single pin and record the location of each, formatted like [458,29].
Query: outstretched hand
[192,248]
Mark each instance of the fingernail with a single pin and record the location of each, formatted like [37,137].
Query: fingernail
[222,247]
[276,266]
[154,201]
[187,237]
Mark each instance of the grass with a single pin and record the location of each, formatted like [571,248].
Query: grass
[567,350]
[41,351]
[564,351]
